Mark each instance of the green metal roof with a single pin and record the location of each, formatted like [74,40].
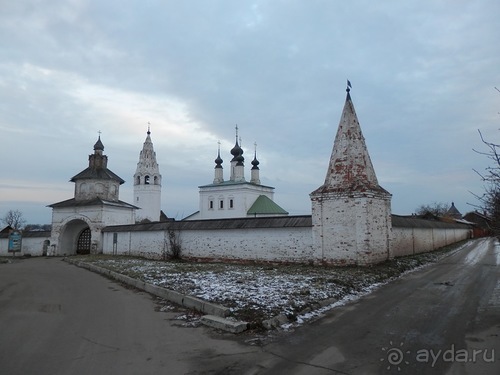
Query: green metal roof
[265,206]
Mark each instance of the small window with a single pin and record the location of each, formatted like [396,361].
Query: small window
[231,203]
[137,199]
[221,205]
[146,180]
[211,205]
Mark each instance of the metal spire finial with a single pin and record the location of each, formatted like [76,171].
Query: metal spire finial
[349,87]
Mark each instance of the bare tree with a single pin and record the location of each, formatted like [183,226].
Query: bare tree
[436,209]
[14,219]
[490,199]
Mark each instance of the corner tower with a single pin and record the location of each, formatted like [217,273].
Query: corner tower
[147,183]
[351,212]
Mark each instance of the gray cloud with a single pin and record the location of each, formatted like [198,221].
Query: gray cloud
[422,74]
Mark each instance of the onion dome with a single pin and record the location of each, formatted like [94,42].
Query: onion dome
[255,162]
[239,159]
[236,151]
[218,161]
[98,145]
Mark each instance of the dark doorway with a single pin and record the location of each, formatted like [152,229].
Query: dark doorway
[83,244]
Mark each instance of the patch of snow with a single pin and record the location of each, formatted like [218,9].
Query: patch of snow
[260,292]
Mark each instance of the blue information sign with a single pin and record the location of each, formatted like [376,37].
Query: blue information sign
[15,240]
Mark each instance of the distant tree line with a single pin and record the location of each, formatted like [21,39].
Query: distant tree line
[439,209]
[16,220]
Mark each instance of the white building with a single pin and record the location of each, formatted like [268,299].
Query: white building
[147,183]
[77,222]
[236,197]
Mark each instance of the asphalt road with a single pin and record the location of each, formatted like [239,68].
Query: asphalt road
[444,319]
[59,319]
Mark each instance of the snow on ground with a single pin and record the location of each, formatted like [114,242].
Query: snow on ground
[258,292]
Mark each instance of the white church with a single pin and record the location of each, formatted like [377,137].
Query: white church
[350,222]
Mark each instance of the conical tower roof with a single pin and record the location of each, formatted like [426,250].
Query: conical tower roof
[147,158]
[350,168]
[454,212]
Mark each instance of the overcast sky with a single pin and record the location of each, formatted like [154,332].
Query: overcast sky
[423,76]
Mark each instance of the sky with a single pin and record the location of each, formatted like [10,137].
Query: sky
[423,77]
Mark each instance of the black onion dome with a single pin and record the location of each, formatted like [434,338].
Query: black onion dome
[98,145]
[218,161]
[236,151]
[255,163]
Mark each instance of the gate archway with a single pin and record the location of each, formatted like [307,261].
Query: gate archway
[75,238]
[83,242]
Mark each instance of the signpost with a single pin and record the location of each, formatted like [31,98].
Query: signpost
[15,241]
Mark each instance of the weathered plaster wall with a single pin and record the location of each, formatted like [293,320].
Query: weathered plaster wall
[286,244]
[67,223]
[34,244]
[279,244]
[408,241]
[257,244]
[351,231]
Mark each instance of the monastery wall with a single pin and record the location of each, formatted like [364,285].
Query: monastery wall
[408,241]
[285,244]
[413,235]
[34,244]
[285,239]
[271,244]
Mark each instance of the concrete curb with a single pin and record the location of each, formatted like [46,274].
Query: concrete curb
[215,313]
[224,324]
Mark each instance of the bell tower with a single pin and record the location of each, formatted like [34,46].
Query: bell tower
[147,183]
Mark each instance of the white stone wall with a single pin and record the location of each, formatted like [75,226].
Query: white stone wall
[242,195]
[270,244]
[256,244]
[408,241]
[148,198]
[90,189]
[30,245]
[95,216]
[64,231]
[351,230]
